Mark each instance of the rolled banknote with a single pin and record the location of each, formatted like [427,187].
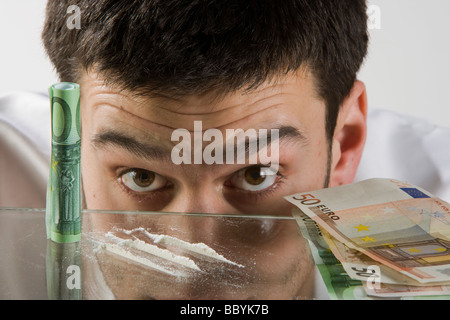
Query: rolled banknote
[64,188]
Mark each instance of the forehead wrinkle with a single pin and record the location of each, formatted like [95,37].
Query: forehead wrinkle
[96,89]
[163,109]
[164,102]
[222,109]
[222,124]
[191,121]
[133,116]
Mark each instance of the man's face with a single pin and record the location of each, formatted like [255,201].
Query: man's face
[127,164]
[127,148]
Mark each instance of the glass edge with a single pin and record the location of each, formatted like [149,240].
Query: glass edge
[155,213]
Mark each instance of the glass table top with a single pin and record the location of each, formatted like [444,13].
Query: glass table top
[149,255]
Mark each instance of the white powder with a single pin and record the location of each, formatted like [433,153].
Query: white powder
[154,250]
[127,254]
[199,248]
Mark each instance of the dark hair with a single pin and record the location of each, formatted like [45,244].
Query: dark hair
[182,47]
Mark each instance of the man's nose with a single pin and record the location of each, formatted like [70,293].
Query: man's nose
[203,226]
[200,200]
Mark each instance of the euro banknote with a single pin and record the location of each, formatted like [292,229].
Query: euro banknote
[64,186]
[337,282]
[398,229]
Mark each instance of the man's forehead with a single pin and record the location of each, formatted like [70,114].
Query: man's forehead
[214,110]
[300,82]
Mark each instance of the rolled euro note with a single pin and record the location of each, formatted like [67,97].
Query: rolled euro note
[63,208]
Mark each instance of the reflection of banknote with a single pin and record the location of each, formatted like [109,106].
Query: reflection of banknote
[370,279]
[339,285]
[63,271]
[64,191]
[399,225]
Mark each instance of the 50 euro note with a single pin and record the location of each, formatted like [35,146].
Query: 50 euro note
[350,275]
[361,267]
[403,228]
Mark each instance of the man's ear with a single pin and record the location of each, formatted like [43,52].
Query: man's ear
[349,136]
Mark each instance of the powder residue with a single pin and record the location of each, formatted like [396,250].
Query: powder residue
[199,248]
[155,250]
[127,254]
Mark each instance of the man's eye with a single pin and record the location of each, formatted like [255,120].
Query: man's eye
[254,178]
[141,180]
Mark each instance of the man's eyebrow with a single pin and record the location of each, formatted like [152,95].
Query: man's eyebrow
[284,133]
[146,150]
[289,132]
[130,144]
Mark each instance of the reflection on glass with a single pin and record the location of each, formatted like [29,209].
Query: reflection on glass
[146,255]
[188,256]
[63,266]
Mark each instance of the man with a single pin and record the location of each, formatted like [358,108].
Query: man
[149,68]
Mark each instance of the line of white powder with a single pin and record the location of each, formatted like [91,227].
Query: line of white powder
[154,250]
[199,248]
[127,254]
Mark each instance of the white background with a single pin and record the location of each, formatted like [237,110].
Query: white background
[407,69]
